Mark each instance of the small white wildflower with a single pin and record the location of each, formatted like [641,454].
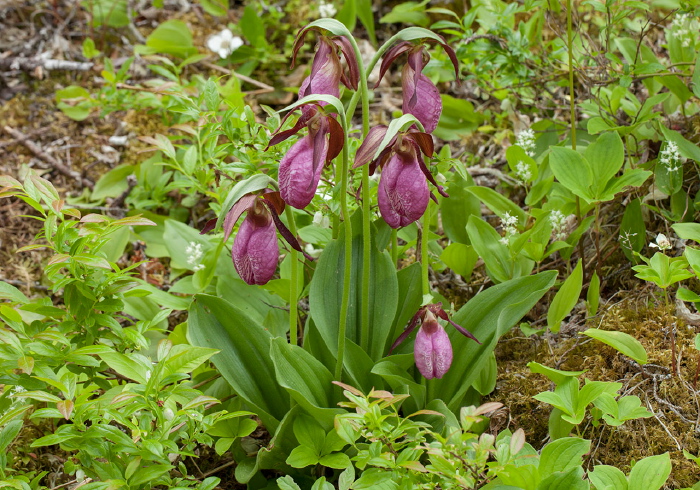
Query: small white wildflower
[168,413]
[508,221]
[17,389]
[327,9]
[224,43]
[683,27]
[626,240]
[320,220]
[559,224]
[522,170]
[312,251]
[194,255]
[662,243]
[526,140]
[671,157]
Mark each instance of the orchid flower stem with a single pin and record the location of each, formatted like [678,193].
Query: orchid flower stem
[366,201]
[347,266]
[425,230]
[394,247]
[572,111]
[294,281]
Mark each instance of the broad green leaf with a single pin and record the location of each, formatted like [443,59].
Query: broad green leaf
[186,358]
[565,299]
[326,291]
[624,343]
[555,375]
[632,230]
[456,209]
[650,473]
[244,357]
[593,295]
[308,381]
[460,258]
[605,157]
[112,183]
[11,293]
[562,455]
[487,316]
[607,477]
[686,148]
[573,171]
[571,479]
[457,120]
[170,37]
[8,433]
[132,366]
[301,457]
[687,231]
[498,203]
[217,8]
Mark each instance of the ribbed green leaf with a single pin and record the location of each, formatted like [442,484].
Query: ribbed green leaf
[244,357]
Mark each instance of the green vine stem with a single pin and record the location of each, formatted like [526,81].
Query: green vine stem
[293,293]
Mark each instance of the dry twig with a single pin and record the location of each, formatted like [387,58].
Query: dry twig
[40,153]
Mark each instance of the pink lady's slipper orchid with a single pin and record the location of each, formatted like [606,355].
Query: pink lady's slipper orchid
[255,250]
[420,96]
[326,70]
[403,190]
[300,169]
[432,348]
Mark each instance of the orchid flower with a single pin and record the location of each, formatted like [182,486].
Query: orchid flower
[421,96]
[255,250]
[432,348]
[326,71]
[300,169]
[403,192]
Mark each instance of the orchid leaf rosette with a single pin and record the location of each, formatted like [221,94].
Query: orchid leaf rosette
[403,192]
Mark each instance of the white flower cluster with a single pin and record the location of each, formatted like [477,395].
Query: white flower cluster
[320,220]
[684,28]
[194,255]
[662,243]
[526,140]
[224,43]
[508,221]
[522,171]
[559,224]
[671,157]
[326,9]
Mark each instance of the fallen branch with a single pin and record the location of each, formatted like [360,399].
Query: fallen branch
[40,153]
[29,64]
